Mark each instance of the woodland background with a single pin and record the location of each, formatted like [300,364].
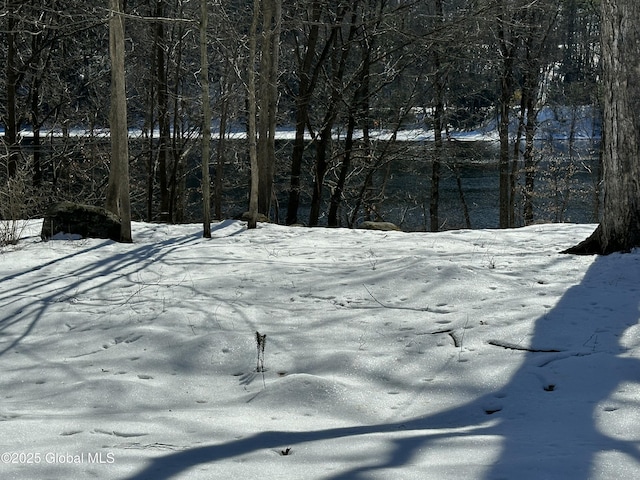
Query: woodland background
[349,79]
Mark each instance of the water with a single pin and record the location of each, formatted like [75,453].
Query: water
[398,185]
[564,190]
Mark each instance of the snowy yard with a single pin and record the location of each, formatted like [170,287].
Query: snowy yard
[474,354]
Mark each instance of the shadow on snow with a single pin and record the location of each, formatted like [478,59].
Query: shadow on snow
[548,418]
[75,281]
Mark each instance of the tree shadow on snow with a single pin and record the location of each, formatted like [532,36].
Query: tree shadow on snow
[550,420]
[33,285]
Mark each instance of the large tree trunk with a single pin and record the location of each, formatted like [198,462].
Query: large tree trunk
[206,121]
[268,101]
[262,109]
[118,188]
[619,229]
[251,118]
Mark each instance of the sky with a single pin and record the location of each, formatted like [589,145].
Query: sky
[475,354]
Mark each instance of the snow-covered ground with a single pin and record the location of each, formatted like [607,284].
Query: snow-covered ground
[558,123]
[457,355]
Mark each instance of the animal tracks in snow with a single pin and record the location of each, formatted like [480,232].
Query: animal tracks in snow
[69,432]
[116,433]
[132,338]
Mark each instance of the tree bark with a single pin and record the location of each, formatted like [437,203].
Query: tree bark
[438,126]
[164,126]
[619,229]
[507,43]
[251,118]
[321,165]
[118,188]
[308,75]
[11,127]
[529,153]
[340,53]
[268,101]
[222,139]
[206,121]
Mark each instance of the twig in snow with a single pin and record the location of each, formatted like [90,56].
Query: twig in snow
[391,306]
[261,341]
[511,346]
[462,339]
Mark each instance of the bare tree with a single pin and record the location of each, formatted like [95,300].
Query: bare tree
[268,101]
[340,50]
[252,130]
[206,121]
[438,124]
[619,229]
[310,55]
[164,119]
[118,189]
[11,121]
[262,108]
[350,67]
[508,43]
[536,39]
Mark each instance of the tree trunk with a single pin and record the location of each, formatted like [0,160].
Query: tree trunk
[151,153]
[340,53]
[504,173]
[179,149]
[336,196]
[321,165]
[251,118]
[164,126]
[268,101]
[434,197]
[305,89]
[222,141]
[35,121]
[504,108]
[206,121]
[619,229]
[118,188]
[529,154]
[11,127]
[438,126]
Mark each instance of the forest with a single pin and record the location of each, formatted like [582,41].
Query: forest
[312,112]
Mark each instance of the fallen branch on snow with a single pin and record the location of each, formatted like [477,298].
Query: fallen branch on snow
[513,346]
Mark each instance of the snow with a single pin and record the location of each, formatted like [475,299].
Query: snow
[553,122]
[475,354]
